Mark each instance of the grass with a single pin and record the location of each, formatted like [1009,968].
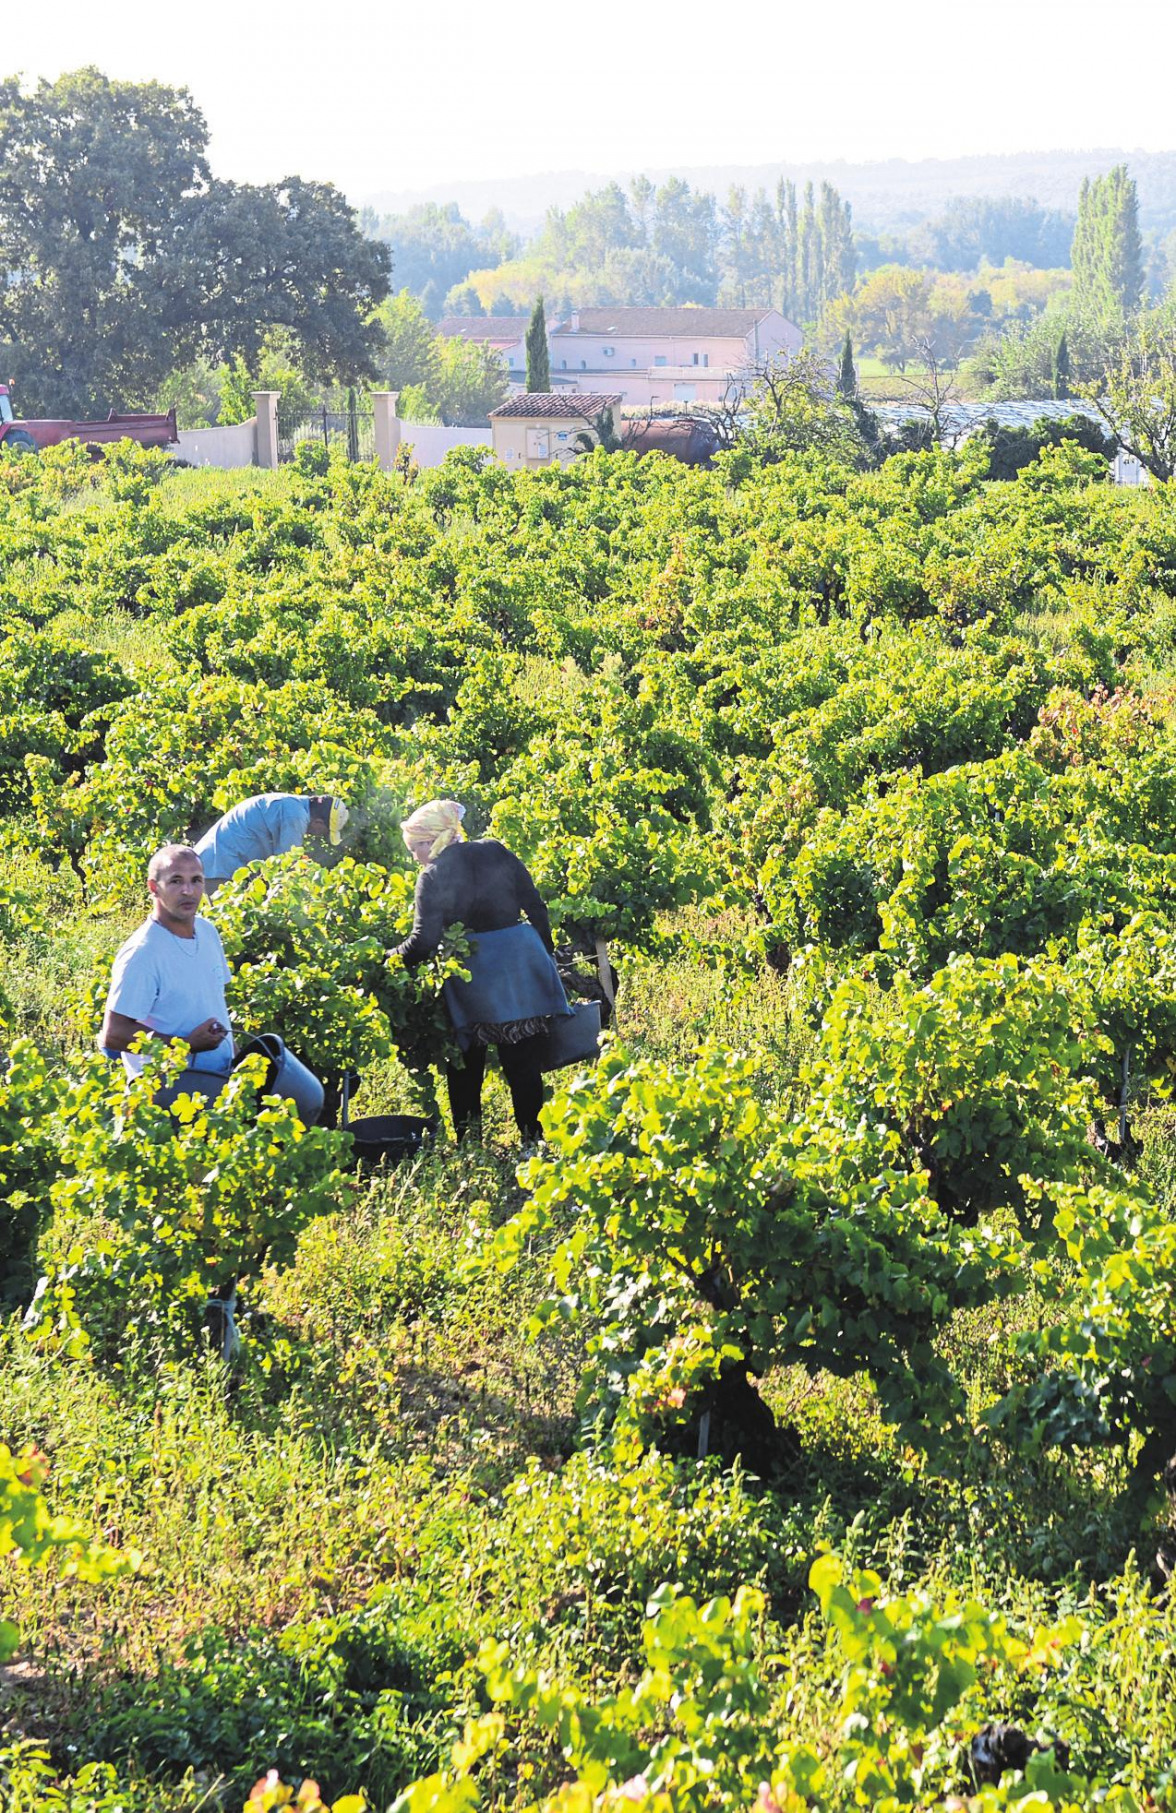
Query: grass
[392,1479]
[880,383]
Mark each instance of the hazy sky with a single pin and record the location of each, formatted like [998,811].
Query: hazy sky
[377,95]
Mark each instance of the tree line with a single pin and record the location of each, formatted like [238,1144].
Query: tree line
[133,277]
[1032,298]
[648,244]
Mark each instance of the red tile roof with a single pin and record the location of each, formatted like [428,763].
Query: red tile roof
[500,330]
[690,323]
[576,405]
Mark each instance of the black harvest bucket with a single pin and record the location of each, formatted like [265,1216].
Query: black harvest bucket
[388,1136]
[391,1137]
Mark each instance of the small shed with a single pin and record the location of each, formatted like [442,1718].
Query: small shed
[545,427]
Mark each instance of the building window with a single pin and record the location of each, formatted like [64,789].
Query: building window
[694,361]
[608,351]
[706,358]
[583,365]
[633,363]
[563,365]
[660,359]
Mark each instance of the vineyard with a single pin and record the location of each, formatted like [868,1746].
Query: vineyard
[803,1409]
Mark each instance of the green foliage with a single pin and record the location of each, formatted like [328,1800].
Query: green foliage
[277,366]
[110,216]
[538,358]
[698,1728]
[36,1538]
[1012,449]
[1135,392]
[793,408]
[331,1698]
[670,244]
[440,378]
[154,1210]
[409,353]
[28,1094]
[434,248]
[470,381]
[711,1231]
[1107,254]
[865,774]
[309,948]
[178,756]
[846,372]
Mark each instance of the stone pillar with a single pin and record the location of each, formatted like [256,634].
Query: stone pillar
[386,423]
[266,403]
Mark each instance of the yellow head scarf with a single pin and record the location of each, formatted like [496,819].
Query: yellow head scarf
[438,819]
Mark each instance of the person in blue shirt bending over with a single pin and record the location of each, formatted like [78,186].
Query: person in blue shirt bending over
[269,824]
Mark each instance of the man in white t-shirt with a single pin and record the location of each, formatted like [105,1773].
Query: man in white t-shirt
[169,980]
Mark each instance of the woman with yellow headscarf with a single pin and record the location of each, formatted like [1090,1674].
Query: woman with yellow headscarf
[514,988]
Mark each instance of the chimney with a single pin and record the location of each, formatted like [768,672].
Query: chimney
[575,320]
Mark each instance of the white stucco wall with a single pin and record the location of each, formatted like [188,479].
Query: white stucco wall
[234,445]
[430,442]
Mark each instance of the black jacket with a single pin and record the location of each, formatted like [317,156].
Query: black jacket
[483,885]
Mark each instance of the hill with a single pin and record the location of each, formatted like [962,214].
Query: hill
[884,195]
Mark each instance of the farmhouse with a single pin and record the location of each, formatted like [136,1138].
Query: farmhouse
[542,427]
[647,355]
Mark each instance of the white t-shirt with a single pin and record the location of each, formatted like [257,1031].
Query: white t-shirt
[172,984]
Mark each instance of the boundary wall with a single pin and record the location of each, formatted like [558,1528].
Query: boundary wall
[235,445]
[255,442]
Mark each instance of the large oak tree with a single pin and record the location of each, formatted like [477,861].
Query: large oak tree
[125,258]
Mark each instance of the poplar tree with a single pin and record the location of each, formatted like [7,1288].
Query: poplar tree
[809,261]
[1107,253]
[538,361]
[1061,366]
[786,207]
[837,261]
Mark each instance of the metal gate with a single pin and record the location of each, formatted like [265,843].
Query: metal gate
[349,430]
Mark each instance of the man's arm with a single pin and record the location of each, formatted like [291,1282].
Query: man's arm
[119,1032]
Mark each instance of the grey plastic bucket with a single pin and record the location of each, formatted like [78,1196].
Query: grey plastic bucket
[573,1038]
[288,1076]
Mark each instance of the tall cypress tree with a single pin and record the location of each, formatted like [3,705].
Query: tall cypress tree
[538,361]
[1061,366]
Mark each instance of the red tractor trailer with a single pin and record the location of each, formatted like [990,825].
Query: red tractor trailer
[31,436]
